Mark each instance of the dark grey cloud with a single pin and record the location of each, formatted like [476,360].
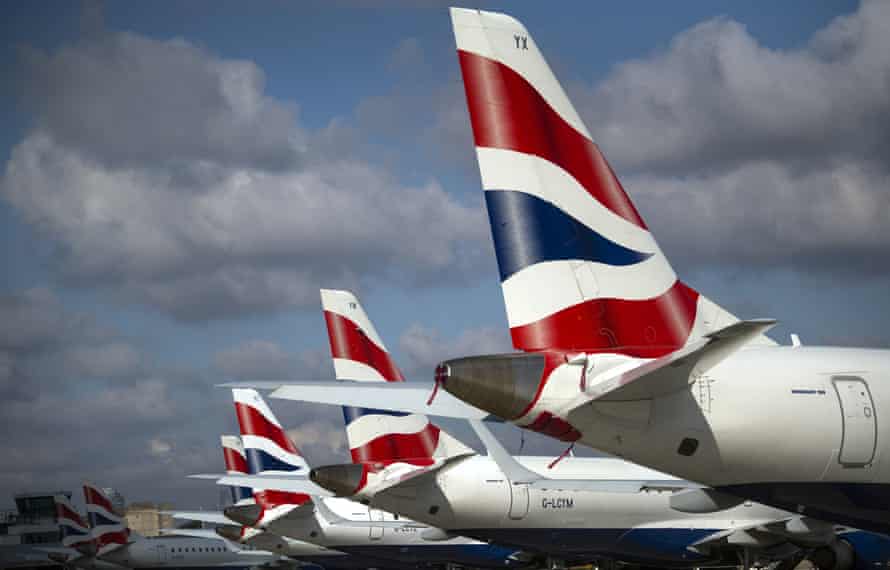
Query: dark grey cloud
[717,97]
[425,347]
[126,100]
[261,359]
[763,214]
[167,176]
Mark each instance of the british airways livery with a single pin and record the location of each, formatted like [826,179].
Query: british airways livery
[617,352]
[621,355]
[73,528]
[572,510]
[341,524]
[236,463]
[383,444]
[268,450]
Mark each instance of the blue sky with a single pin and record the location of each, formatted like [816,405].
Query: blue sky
[136,269]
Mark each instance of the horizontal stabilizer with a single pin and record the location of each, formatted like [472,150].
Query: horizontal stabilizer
[518,474]
[411,397]
[287,483]
[192,532]
[212,517]
[678,369]
[60,550]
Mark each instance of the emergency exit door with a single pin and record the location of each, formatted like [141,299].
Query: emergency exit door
[518,500]
[860,429]
[376,530]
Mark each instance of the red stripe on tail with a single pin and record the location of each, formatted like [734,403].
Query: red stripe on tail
[646,329]
[252,422]
[508,113]
[234,460]
[349,342]
[413,448]
[96,497]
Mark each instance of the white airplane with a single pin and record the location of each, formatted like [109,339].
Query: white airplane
[108,544]
[572,511]
[244,503]
[618,353]
[337,523]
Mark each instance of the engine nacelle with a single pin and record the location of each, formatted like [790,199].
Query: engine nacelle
[342,480]
[246,515]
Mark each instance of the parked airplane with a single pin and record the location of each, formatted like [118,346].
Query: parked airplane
[307,552]
[584,508]
[339,523]
[117,545]
[619,354]
[78,547]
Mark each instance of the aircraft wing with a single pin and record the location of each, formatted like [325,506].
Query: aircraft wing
[517,473]
[678,369]
[333,518]
[289,483]
[753,535]
[412,397]
[212,517]
[796,529]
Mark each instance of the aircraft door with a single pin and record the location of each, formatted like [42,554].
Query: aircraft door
[376,530]
[161,554]
[519,500]
[859,425]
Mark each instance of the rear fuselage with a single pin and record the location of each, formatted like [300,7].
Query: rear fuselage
[799,428]
[473,498]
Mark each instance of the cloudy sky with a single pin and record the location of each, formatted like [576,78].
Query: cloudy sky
[179,180]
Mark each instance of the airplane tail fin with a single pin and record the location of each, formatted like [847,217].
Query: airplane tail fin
[73,527]
[356,348]
[267,448]
[579,269]
[375,436]
[108,528]
[236,464]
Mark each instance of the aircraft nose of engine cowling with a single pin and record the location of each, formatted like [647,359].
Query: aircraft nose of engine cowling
[342,480]
[243,514]
[504,385]
[232,533]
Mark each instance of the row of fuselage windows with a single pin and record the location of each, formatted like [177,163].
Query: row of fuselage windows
[199,549]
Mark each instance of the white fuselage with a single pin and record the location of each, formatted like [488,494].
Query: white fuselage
[473,497]
[767,423]
[179,552]
[387,541]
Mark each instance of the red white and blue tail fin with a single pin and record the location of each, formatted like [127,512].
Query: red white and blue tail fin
[236,464]
[73,527]
[580,270]
[108,528]
[268,450]
[378,437]
[358,351]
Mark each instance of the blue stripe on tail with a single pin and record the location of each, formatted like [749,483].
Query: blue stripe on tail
[528,230]
[351,413]
[259,461]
